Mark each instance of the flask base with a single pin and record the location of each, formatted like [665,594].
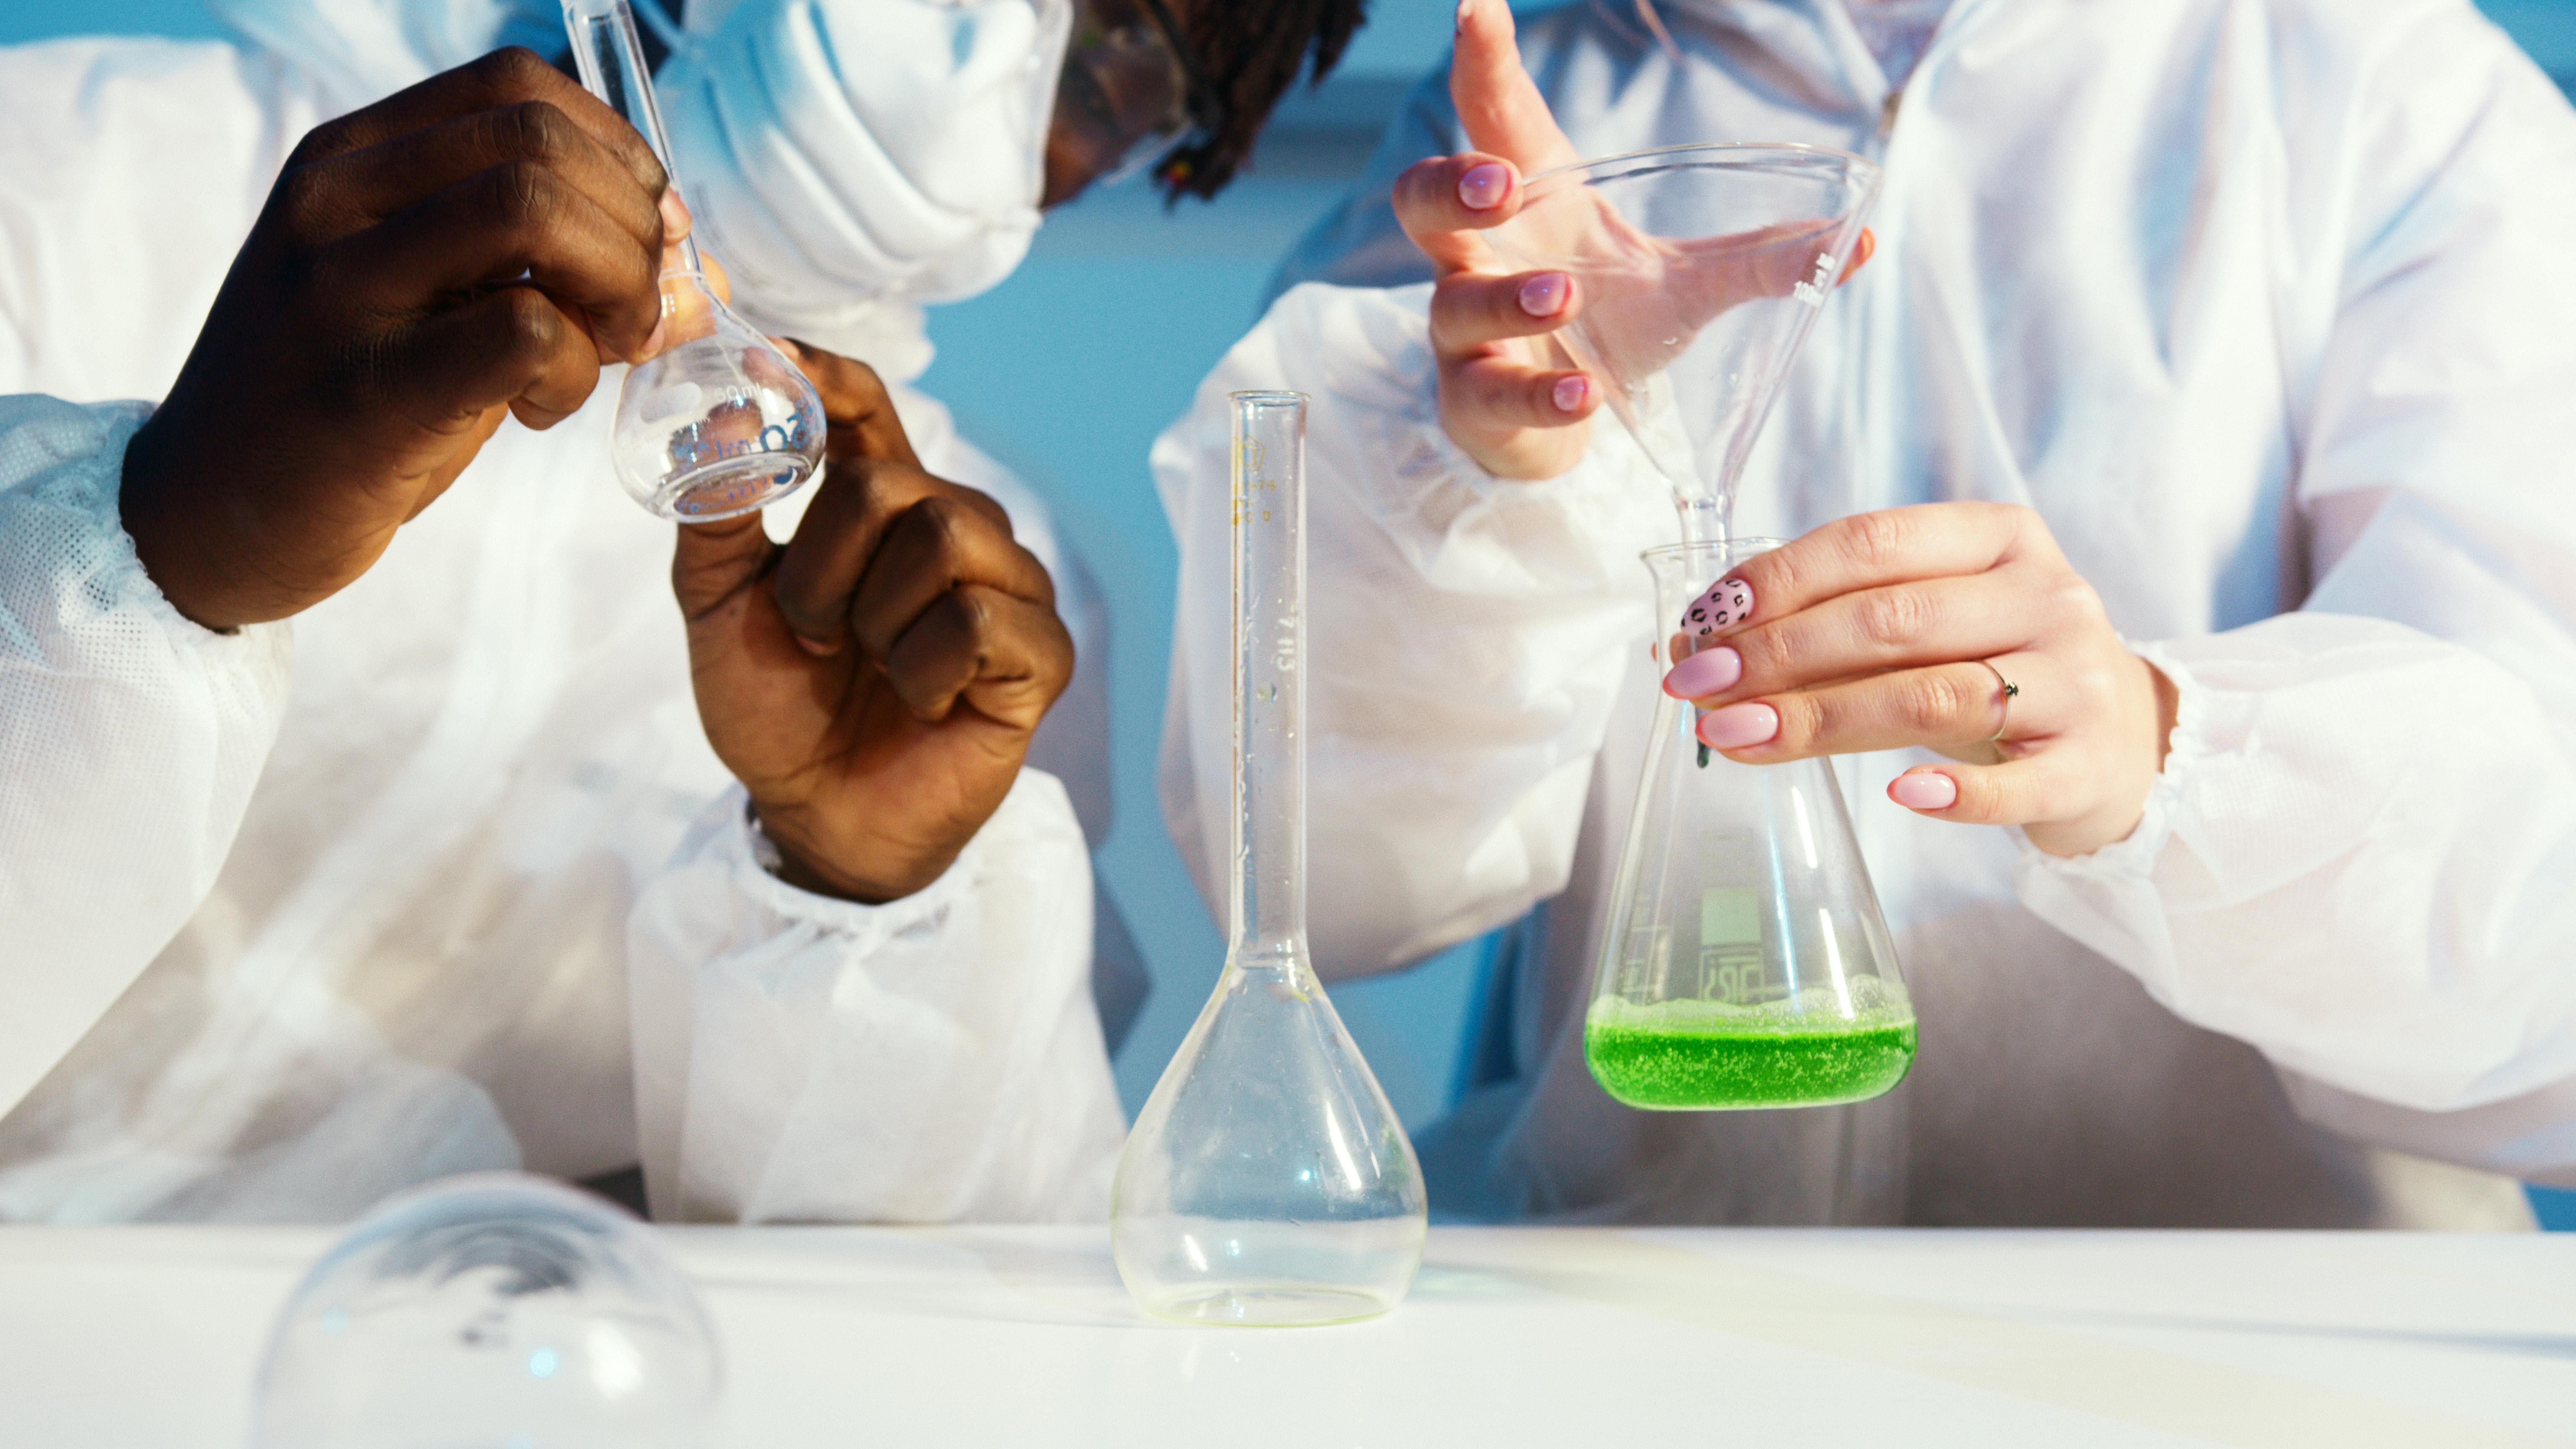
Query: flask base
[1275,1305]
[729,489]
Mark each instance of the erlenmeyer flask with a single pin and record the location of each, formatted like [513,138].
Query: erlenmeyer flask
[722,422]
[1267,1180]
[1698,270]
[1746,963]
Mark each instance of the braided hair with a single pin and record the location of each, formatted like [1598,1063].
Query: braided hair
[1250,51]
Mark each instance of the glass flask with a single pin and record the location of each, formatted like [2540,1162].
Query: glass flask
[1746,963]
[494,1311]
[1267,1180]
[721,422]
[1697,272]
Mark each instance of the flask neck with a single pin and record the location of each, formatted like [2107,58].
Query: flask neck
[610,57]
[1268,915]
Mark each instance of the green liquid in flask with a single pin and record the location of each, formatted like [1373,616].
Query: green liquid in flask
[1693,1055]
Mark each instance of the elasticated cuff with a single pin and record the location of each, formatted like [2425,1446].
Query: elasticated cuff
[2133,857]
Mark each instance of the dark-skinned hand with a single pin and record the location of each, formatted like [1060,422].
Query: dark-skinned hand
[472,248]
[873,683]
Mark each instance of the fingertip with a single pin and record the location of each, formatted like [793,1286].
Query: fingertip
[1571,394]
[1483,186]
[1544,295]
[1925,790]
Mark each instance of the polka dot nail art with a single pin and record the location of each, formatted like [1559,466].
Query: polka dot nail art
[1727,603]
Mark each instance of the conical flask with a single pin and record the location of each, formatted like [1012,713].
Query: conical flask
[1697,272]
[721,422]
[1746,963]
[1267,1180]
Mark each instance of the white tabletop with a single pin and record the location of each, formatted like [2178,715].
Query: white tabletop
[962,1337]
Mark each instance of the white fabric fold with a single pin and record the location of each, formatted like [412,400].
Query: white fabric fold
[130,737]
[932,1059]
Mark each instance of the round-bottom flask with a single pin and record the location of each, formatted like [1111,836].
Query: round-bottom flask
[492,1310]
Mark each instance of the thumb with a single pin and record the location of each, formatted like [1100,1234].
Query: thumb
[715,562]
[1497,102]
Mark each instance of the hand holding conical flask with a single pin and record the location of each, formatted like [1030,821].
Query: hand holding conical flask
[1746,963]
[720,422]
[1267,1180]
[1696,271]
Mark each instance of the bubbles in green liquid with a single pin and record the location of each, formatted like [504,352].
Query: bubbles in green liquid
[1804,1051]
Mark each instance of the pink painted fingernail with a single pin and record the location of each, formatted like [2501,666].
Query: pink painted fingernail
[1483,186]
[1738,726]
[1570,392]
[1727,604]
[1543,294]
[1924,790]
[1705,673]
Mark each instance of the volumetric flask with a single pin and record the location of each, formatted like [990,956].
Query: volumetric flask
[1267,1180]
[1746,963]
[1697,273]
[721,422]
[495,1311]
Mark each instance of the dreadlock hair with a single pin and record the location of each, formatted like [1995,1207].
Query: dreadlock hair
[1251,51]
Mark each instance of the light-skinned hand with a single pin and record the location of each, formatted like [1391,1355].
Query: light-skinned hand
[1899,628]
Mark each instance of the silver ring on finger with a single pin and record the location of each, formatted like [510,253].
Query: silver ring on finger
[2011,692]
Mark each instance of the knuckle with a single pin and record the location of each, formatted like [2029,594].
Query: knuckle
[328,139]
[512,70]
[306,198]
[1875,540]
[1932,702]
[531,328]
[1893,618]
[537,131]
[525,193]
[2067,596]
[970,613]
[939,524]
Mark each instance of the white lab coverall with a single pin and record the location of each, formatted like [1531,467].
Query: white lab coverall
[2263,305]
[442,874]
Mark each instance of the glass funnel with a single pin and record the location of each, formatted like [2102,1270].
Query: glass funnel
[495,1311]
[1697,271]
[1746,963]
[721,422]
[1267,1180]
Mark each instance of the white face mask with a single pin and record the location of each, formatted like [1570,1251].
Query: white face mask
[851,159]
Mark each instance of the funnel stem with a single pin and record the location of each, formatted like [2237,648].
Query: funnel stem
[1704,519]
[610,56]
[1269,506]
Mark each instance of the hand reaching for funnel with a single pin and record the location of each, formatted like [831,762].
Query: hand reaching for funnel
[1957,627]
[1506,396]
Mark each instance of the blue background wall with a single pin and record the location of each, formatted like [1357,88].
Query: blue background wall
[1138,304]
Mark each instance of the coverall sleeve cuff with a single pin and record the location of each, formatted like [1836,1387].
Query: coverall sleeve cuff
[2133,857]
[82,479]
[749,857]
